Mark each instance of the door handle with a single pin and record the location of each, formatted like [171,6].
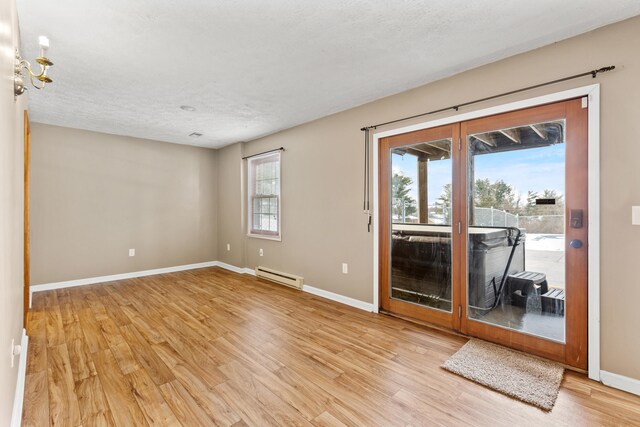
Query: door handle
[576,244]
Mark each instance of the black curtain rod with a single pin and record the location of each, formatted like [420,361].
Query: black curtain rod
[592,73]
[264,152]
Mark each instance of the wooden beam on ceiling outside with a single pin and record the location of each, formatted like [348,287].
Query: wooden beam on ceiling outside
[486,139]
[448,151]
[415,148]
[539,131]
[512,134]
[422,155]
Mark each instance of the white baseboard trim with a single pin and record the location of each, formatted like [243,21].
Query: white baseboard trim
[230,267]
[240,270]
[111,278]
[18,399]
[338,298]
[630,385]
[309,289]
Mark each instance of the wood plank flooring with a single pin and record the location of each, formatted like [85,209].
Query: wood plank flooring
[210,347]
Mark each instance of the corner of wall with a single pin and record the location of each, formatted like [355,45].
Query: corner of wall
[230,205]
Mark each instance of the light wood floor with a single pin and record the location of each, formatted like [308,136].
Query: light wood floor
[210,347]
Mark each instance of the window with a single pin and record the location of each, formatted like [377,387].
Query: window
[264,196]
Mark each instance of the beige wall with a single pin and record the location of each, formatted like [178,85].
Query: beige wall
[94,196]
[11,208]
[230,206]
[323,223]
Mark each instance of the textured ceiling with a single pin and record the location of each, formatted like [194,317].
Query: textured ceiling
[253,67]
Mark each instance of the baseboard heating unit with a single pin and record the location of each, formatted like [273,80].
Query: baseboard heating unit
[286,279]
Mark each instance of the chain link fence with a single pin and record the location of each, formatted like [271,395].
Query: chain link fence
[543,224]
[486,217]
[490,217]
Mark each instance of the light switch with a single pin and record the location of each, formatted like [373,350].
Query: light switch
[635,215]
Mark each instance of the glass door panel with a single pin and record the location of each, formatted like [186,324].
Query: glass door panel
[417,190]
[516,228]
[421,217]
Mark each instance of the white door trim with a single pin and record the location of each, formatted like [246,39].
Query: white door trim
[593,93]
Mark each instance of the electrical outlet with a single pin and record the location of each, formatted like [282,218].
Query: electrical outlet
[345,268]
[228,246]
[635,215]
[132,252]
[15,351]
[261,252]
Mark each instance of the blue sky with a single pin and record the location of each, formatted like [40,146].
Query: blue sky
[533,169]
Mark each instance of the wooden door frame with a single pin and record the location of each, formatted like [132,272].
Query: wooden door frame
[593,94]
[27,183]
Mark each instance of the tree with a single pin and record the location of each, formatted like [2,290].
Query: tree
[531,202]
[533,209]
[553,194]
[536,218]
[443,204]
[543,218]
[403,205]
[498,195]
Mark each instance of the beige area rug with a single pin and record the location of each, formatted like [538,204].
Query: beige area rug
[528,378]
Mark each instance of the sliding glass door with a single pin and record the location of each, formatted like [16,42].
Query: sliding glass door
[483,228]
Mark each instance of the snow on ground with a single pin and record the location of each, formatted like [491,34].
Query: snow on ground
[544,242]
[544,253]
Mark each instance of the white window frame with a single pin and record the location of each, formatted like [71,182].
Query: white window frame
[251,194]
